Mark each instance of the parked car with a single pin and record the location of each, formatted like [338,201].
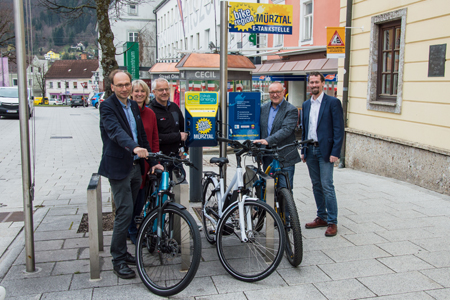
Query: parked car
[54,101]
[102,98]
[77,100]
[95,98]
[9,102]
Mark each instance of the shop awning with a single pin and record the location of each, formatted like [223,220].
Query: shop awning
[164,68]
[203,61]
[298,67]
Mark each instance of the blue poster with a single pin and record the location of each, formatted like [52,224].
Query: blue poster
[243,115]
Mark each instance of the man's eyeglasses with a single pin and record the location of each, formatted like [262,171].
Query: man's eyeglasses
[121,86]
[275,92]
[162,90]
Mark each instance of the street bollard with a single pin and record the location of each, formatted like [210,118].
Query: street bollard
[2,293]
[94,205]
[181,192]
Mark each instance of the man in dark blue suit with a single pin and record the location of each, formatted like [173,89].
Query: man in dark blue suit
[323,122]
[125,147]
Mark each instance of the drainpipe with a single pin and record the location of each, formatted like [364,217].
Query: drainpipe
[348,37]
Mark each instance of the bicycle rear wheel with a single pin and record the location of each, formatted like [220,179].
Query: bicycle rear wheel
[210,205]
[258,257]
[174,262]
[294,243]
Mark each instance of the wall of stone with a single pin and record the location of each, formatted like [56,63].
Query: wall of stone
[413,163]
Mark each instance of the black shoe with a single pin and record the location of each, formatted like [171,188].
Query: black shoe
[123,271]
[130,259]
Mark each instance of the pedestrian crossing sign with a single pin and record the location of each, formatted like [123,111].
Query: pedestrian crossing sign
[336,42]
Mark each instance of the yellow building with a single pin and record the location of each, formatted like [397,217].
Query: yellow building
[52,55]
[398,111]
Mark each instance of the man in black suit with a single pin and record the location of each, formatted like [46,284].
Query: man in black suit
[323,122]
[125,147]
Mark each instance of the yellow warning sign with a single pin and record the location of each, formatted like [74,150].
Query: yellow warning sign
[336,42]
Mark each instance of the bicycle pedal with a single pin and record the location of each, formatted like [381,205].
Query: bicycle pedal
[138,220]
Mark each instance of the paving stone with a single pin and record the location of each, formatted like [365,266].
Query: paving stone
[435,244]
[199,287]
[355,253]
[228,296]
[27,297]
[441,294]
[401,248]
[71,267]
[228,284]
[441,276]
[398,283]
[76,243]
[405,263]
[62,211]
[48,245]
[439,259]
[354,269]
[132,291]
[343,289]
[210,268]
[301,275]
[364,227]
[70,295]
[84,252]
[304,292]
[49,256]
[368,238]
[19,272]
[57,235]
[82,281]
[32,286]
[409,296]
[324,242]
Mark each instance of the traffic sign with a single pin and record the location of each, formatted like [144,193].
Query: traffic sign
[336,42]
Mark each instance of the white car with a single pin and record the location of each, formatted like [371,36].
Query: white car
[54,101]
[9,102]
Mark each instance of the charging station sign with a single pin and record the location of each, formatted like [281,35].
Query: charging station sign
[244,113]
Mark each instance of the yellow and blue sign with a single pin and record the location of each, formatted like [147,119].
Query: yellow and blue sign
[244,113]
[201,114]
[260,18]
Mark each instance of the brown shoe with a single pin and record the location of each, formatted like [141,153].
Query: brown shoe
[331,230]
[318,222]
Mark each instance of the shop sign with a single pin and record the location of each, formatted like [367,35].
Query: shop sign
[260,18]
[174,76]
[201,75]
[335,42]
[244,113]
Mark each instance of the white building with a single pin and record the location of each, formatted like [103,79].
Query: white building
[198,31]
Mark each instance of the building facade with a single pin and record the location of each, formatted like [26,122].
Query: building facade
[66,78]
[397,116]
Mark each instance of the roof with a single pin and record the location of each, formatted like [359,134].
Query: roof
[82,68]
[212,61]
[302,66]
[164,68]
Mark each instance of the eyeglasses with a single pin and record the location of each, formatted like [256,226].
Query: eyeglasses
[121,86]
[275,92]
[162,90]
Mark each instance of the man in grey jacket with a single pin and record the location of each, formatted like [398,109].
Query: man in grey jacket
[278,121]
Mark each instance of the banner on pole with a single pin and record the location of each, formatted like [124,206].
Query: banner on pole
[335,42]
[260,18]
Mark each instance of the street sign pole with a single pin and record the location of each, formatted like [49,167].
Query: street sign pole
[24,135]
[224,78]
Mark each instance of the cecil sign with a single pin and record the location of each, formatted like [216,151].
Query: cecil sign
[260,18]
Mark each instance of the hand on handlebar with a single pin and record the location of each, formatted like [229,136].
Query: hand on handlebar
[262,142]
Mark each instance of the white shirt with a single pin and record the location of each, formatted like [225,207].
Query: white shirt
[314,117]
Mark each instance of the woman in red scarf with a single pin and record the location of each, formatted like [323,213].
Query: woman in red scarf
[140,93]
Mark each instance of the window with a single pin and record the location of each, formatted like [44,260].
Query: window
[31,69]
[30,82]
[198,40]
[278,40]
[386,58]
[132,9]
[75,85]
[50,84]
[15,82]
[133,36]
[307,16]
[67,84]
[389,51]
[206,39]
[59,85]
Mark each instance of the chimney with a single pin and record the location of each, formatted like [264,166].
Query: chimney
[83,56]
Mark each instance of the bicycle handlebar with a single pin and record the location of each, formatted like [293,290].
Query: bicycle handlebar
[174,159]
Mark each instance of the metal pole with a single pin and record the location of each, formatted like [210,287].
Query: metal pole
[224,78]
[24,135]
[348,38]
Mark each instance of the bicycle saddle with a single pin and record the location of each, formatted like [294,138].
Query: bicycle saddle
[219,160]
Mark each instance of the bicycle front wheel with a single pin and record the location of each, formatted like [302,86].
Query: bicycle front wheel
[294,244]
[210,206]
[258,257]
[173,263]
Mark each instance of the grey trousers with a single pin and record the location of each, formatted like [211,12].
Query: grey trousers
[125,192]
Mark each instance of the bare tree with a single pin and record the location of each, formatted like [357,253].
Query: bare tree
[75,8]
[40,69]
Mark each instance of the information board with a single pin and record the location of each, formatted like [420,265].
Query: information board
[243,116]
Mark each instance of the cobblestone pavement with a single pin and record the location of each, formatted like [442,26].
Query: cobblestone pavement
[392,241]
